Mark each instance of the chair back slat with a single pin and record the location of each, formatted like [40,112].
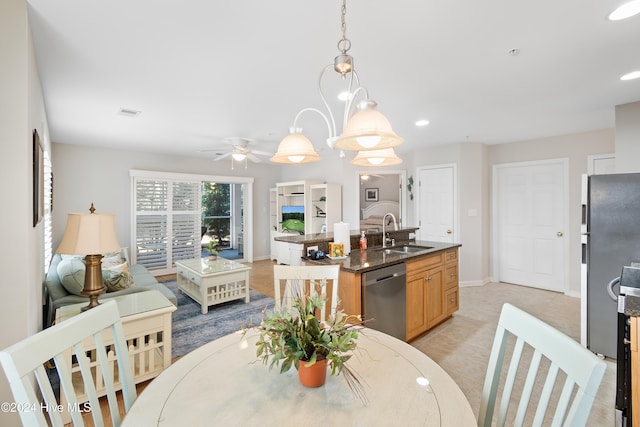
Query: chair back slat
[508,384]
[25,359]
[583,370]
[545,395]
[527,389]
[301,281]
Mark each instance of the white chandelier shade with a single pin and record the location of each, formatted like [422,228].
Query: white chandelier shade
[376,158]
[295,148]
[368,129]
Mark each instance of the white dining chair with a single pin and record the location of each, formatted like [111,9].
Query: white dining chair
[572,399]
[25,360]
[306,280]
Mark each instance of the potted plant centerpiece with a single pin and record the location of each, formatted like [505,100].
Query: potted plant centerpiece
[297,338]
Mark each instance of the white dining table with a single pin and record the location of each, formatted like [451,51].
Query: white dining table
[223,383]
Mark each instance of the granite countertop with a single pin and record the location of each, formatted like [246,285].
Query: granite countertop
[632,306]
[328,237]
[375,257]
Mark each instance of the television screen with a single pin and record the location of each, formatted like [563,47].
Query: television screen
[293,218]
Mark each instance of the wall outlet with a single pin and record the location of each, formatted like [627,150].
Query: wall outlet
[311,248]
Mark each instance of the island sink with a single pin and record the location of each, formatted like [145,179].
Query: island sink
[406,249]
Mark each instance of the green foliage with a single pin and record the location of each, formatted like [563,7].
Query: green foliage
[288,337]
[216,202]
[212,247]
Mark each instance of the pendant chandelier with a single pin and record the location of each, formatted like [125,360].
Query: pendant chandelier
[362,130]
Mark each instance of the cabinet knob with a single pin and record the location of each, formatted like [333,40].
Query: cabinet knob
[559,234]
[427,278]
[449,231]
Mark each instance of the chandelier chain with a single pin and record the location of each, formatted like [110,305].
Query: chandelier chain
[344,44]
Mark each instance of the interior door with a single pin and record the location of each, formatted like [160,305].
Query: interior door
[436,203]
[531,223]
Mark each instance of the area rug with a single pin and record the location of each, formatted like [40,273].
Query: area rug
[192,329]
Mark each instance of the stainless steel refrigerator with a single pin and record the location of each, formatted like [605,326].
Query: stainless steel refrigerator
[611,240]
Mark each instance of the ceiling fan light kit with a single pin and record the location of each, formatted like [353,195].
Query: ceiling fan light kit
[366,129]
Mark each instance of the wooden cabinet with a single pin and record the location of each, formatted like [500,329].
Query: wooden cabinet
[432,291]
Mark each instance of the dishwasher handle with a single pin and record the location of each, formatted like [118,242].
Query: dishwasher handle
[380,279]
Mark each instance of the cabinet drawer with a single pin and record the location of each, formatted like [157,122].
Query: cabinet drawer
[451,255]
[451,276]
[424,263]
[451,300]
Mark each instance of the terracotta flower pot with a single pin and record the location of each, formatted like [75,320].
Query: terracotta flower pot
[314,375]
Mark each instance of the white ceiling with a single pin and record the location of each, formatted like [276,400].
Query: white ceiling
[203,70]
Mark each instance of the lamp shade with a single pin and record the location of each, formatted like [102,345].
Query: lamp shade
[88,234]
[295,148]
[368,129]
[385,157]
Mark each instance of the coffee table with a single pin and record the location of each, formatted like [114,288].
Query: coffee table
[146,321]
[210,282]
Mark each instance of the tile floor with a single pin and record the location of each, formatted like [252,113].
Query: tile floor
[461,345]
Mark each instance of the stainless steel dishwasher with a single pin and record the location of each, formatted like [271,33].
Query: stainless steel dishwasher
[384,300]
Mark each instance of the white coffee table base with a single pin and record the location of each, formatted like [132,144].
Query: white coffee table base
[215,290]
[209,290]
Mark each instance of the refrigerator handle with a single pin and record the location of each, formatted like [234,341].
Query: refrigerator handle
[610,288]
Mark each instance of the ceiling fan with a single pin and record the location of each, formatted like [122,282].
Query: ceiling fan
[240,150]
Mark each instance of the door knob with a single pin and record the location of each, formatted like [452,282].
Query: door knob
[559,234]
[449,231]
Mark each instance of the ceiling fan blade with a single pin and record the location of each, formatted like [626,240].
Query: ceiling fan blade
[262,153]
[253,158]
[223,156]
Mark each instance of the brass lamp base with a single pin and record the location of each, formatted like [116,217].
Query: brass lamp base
[93,285]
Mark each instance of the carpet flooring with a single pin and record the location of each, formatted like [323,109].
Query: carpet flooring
[192,329]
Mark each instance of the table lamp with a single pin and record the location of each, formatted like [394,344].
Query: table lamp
[91,235]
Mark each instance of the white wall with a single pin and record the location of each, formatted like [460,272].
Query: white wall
[473,194]
[628,138]
[576,148]
[100,175]
[21,247]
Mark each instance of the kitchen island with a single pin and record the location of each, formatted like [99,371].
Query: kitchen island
[431,280]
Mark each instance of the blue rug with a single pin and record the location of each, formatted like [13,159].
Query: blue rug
[192,329]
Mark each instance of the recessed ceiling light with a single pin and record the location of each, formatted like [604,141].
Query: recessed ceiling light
[630,76]
[422,122]
[514,52]
[625,11]
[129,112]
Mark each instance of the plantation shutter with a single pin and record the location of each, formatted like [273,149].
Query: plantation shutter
[166,222]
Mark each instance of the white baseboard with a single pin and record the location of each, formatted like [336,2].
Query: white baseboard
[471,283]
[261,258]
[573,294]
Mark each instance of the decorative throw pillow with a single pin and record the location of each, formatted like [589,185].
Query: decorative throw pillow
[71,273]
[111,259]
[117,277]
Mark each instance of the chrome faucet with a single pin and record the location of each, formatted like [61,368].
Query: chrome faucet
[385,236]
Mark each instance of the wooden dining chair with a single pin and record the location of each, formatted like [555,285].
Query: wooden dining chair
[582,372]
[26,359]
[306,280]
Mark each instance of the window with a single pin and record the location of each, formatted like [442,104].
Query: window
[168,216]
[166,222]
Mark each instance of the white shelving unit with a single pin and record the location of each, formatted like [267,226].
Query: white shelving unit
[326,207]
[310,197]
